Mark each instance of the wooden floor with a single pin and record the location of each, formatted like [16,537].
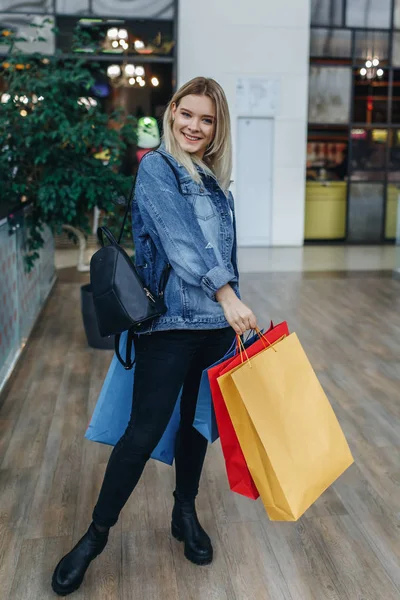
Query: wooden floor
[346,547]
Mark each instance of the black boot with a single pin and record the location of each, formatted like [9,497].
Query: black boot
[71,569]
[186,528]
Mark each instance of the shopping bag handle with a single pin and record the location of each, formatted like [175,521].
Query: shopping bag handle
[242,350]
[264,339]
[234,345]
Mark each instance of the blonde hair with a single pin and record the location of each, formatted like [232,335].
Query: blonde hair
[218,156]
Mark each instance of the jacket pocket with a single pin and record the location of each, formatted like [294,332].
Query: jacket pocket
[200,200]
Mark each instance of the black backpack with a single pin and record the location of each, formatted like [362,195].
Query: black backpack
[120,299]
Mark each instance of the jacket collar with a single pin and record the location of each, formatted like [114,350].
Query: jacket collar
[162,149]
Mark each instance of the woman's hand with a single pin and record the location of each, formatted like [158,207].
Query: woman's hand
[239,316]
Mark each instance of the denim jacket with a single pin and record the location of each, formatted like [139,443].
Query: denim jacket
[195,232]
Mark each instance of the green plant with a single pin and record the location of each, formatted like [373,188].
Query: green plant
[50,132]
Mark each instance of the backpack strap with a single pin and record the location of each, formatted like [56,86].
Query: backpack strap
[129,202]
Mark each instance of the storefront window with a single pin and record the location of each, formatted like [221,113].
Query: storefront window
[365,216]
[353,154]
[371,98]
[327,156]
[396,96]
[329,95]
[371,14]
[392,218]
[370,45]
[368,154]
[330,43]
[149,9]
[326,12]
[394,155]
[396,49]
[326,187]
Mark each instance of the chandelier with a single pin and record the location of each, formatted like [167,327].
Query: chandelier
[372,70]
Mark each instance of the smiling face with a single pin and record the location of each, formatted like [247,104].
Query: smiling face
[194,123]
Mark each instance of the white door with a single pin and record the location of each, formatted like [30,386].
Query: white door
[254,181]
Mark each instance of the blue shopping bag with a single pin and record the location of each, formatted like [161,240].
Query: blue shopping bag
[113,409]
[204,418]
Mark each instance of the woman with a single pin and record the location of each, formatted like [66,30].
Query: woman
[182,214]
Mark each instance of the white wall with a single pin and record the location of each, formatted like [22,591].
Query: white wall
[227,39]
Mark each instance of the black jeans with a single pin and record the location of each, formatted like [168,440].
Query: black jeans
[165,361]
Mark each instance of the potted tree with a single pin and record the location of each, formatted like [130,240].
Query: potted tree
[59,152]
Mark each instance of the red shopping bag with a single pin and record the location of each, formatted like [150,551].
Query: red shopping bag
[239,477]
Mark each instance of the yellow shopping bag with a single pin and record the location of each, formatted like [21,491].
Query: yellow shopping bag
[291,439]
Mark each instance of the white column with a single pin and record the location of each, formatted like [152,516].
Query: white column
[232,39]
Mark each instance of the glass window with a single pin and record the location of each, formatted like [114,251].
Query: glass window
[327,156]
[154,9]
[371,14]
[21,25]
[365,217]
[394,155]
[396,49]
[368,154]
[72,7]
[371,96]
[330,43]
[26,6]
[370,45]
[326,12]
[397,14]
[329,95]
[392,218]
[396,96]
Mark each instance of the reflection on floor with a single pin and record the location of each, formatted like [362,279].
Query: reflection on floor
[319,258]
[307,258]
[346,547]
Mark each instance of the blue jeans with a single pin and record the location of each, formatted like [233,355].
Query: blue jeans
[165,360]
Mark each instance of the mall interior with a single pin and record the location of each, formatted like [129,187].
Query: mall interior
[313,88]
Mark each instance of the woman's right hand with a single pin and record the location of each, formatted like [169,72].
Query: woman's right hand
[239,316]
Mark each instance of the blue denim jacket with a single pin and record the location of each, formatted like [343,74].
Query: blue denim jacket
[195,232]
